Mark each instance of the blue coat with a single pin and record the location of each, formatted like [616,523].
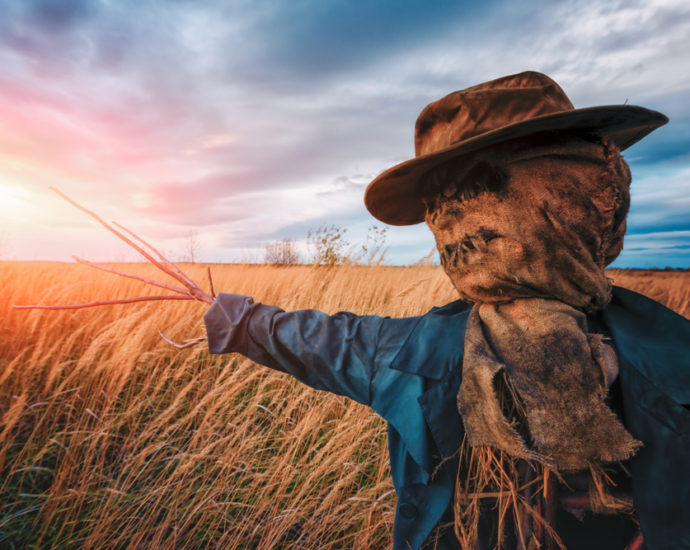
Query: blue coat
[408,370]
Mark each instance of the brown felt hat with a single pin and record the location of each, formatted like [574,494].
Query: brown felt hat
[484,115]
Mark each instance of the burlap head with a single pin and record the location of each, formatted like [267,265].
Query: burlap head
[525,231]
[541,218]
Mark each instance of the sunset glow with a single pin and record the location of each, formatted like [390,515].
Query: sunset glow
[11,198]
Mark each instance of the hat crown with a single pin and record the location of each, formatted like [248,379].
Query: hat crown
[488,106]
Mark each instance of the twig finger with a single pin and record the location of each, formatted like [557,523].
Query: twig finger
[194,290]
[157,253]
[186,344]
[122,237]
[106,303]
[146,280]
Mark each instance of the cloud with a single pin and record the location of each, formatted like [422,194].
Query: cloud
[656,249]
[347,184]
[659,200]
[303,42]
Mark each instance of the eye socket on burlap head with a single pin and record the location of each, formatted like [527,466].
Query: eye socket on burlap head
[532,218]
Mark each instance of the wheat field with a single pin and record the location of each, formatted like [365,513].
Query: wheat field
[111,438]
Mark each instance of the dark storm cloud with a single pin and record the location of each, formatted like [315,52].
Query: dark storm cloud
[58,15]
[50,32]
[314,39]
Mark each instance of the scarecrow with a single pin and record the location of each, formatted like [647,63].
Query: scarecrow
[544,409]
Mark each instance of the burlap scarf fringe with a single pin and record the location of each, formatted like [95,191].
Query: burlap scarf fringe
[521,494]
[518,493]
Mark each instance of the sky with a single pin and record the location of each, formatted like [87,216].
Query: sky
[243,122]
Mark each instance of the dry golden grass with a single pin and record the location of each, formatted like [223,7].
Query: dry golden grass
[671,288]
[111,438]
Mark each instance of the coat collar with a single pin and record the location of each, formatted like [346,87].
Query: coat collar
[435,345]
[651,339]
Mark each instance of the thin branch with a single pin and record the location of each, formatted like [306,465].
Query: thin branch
[186,344]
[210,282]
[193,289]
[157,253]
[146,280]
[108,302]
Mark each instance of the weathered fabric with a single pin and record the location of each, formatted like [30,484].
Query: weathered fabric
[524,232]
[559,375]
[409,370]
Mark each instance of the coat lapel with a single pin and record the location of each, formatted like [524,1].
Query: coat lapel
[434,350]
[439,405]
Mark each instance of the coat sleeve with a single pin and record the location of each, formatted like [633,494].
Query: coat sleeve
[338,353]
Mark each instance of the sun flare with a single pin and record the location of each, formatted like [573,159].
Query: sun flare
[12,198]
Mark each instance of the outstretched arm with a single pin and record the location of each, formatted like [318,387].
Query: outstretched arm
[337,353]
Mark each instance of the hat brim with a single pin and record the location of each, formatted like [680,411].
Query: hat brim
[392,196]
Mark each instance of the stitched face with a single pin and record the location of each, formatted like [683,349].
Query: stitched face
[540,219]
